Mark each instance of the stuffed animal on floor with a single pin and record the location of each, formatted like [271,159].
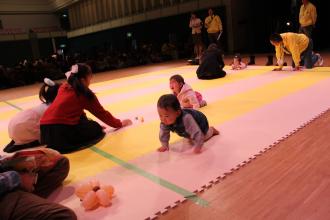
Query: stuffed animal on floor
[92,194]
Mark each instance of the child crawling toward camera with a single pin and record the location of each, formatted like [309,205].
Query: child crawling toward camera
[187,97]
[187,123]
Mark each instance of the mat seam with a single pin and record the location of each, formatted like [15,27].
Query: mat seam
[240,165]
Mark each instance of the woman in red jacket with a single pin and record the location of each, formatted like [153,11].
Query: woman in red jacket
[64,126]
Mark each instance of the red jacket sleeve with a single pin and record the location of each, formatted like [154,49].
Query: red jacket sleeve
[94,107]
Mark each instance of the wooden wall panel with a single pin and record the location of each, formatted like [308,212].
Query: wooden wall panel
[148,5]
[119,8]
[72,18]
[126,7]
[94,13]
[113,10]
[133,6]
[84,13]
[91,12]
[140,7]
[99,11]
[156,4]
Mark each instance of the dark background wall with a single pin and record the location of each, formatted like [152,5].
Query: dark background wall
[267,17]
[174,28]
[13,52]
[252,23]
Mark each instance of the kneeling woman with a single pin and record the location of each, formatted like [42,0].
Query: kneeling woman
[64,126]
[211,64]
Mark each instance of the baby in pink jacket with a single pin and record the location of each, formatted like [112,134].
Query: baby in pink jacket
[187,97]
[237,63]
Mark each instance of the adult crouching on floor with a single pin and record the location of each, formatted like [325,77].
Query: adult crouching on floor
[211,64]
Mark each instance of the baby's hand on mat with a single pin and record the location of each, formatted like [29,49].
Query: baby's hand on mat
[126,122]
[277,69]
[162,149]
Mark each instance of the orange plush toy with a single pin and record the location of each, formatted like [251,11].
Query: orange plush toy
[92,194]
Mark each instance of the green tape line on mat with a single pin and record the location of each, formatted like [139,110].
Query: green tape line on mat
[12,105]
[187,194]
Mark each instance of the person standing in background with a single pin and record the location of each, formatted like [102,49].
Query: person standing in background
[213,25]
[196,25]
[307,18]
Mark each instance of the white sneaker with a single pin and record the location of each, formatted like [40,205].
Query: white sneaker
[319,61]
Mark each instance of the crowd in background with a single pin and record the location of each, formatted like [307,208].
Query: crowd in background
[29,72]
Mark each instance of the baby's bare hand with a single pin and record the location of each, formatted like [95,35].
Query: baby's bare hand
[162,149]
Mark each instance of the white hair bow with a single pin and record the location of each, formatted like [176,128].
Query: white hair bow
[74,70]
[49,82]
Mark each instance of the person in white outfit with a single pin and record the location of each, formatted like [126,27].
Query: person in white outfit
[24,127]
[196,25]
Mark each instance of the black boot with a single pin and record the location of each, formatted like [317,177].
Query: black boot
[269,60]
[252,60]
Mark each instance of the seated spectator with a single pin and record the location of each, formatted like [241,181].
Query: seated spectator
[27,176]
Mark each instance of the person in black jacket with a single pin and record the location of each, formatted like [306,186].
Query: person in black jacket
[211,64]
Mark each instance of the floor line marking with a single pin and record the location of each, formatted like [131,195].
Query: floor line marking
[12,105]
[171,186]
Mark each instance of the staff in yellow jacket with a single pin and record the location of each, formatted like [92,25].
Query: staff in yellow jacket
[213,25]
[298,46]
[307,18]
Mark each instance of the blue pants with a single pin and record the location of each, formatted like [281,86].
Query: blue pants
[307,30]
[308,56]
